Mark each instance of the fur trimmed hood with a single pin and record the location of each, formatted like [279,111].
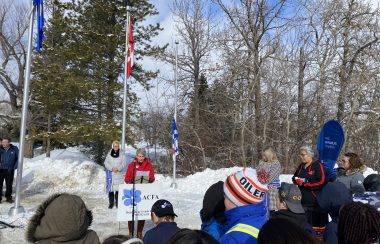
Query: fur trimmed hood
[356,170]
[61,218]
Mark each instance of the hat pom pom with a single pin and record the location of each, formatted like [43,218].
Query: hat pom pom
[263,176]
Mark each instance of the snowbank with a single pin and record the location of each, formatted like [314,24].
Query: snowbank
[65,169]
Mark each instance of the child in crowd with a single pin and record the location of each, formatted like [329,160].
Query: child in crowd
[245,211]
[212,213]
[270,163]
[162,215]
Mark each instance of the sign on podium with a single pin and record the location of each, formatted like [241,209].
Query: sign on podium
[145,195]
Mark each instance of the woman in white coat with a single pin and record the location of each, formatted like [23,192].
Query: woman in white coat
[114,163]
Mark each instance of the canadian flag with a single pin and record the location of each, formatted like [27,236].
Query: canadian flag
[130,46]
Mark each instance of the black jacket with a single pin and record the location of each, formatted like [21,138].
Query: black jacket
[314,178]
[298,219]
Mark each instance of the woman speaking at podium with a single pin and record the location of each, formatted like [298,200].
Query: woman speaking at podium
[139,171]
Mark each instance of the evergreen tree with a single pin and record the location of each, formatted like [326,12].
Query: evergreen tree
[92,63]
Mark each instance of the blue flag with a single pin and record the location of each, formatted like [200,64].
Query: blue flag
[175,138]
[330,143]
[39,4]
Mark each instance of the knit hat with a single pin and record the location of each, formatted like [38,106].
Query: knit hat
[213,201]
[246,186]
[292,197]
[163,208]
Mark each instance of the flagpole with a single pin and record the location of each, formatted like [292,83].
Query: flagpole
[174,183]
[125,83]
[17,208]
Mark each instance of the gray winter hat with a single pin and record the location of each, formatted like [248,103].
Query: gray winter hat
[291,194]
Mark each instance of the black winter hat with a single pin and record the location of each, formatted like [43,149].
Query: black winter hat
[372,182]
[213,201]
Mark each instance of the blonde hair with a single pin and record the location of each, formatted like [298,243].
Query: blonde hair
[270,155]
[141,151]
[167,218]
[115,143]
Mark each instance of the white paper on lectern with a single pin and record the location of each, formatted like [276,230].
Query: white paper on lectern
[142,173]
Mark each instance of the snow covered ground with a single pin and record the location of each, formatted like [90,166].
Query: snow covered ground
[71,171]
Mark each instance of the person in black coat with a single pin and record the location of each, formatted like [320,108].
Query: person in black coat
[163,215]
[310,177]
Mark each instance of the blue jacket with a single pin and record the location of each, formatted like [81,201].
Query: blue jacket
[161,233]
[213,227]
[243,219]
[9,158]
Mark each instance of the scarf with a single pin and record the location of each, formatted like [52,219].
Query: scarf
[115,154]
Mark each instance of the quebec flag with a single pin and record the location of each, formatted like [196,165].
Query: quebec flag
[175,138]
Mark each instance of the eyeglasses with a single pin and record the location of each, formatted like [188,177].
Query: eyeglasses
[302,155]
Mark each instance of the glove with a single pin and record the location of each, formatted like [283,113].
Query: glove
[299,182]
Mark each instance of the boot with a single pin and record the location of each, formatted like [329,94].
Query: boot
[130,228]
[110,199]
[140,227]
[116,198]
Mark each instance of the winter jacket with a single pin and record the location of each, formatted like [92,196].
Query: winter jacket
[243,219]
[353,179]
[314,179]
[62,218]
[214,227]
[9,158]
[161,233]
[331,205]
[135,166]
[298,219]
[116,162]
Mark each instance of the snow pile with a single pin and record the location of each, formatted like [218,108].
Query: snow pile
[65,169]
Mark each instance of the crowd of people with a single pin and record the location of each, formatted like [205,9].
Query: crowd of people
[249,206]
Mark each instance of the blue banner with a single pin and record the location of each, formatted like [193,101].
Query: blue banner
[330,143]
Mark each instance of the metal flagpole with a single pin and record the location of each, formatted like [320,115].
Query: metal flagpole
[17,208]
[174,183]
[125,83]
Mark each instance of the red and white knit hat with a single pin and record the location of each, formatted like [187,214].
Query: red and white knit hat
[246,186]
